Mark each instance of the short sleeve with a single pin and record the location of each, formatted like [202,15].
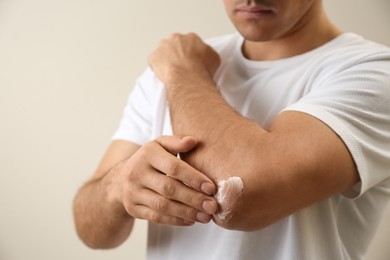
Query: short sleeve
[355,103]
[137,118]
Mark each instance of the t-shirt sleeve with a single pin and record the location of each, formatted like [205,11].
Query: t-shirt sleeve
[136,123]
[355,103]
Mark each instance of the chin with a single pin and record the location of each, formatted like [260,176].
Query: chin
[256,33]
[257,36]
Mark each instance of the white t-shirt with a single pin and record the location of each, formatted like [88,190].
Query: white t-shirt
[346,84]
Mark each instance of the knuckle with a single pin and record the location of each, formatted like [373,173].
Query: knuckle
[153,217]
[175,35]
[168,189]
[142,153]
[129,208]
[161,205]
[190,213]
[196,201]
[192,35]
[172,168]
[146,151]
[132,174]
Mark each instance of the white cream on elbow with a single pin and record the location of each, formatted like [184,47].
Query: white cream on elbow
[229,191]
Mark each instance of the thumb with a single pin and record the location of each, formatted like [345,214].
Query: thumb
[177,144]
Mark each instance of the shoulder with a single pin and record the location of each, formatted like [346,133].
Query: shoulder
[349,58]
[350,49]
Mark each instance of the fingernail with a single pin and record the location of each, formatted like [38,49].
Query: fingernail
[208,188]
[203,217]
[209,206]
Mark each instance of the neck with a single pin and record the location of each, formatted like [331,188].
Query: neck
[310,33]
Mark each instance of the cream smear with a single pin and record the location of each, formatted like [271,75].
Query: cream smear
[229,191]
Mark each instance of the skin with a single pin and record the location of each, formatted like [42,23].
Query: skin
[292,28]
[294,171]
[142,182]
[229,192]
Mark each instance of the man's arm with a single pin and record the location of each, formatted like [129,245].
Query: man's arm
[147,182]
[294,163]
[101,224]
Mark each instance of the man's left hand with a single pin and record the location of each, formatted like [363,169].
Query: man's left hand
[182,58]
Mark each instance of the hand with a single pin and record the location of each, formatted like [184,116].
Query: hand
[157,186]
[183,56]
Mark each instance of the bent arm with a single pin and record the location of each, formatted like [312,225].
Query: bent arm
[296,162]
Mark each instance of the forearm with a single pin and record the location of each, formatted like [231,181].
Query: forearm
[198,109]
[100,223]
[228,142]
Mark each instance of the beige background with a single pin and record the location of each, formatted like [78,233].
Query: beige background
[66,68]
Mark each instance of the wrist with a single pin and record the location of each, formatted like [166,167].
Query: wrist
[187,76]
[112,189]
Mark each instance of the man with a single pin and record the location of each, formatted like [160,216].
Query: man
[270,144]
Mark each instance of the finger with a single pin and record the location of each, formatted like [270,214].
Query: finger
[173,208]
[144,212]
[147,204]
[178,169]
[177,144]
[190,201]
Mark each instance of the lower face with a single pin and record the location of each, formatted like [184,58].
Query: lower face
[266,20]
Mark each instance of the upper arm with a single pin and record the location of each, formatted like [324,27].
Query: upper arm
[339,138]
[305,146]
[116,152]
[298,162]
[308,159]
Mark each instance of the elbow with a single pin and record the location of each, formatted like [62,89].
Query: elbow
[97,245]
[98,239]
[97,233]
[243,206]
[247,220]
[92,241]
[90,236]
